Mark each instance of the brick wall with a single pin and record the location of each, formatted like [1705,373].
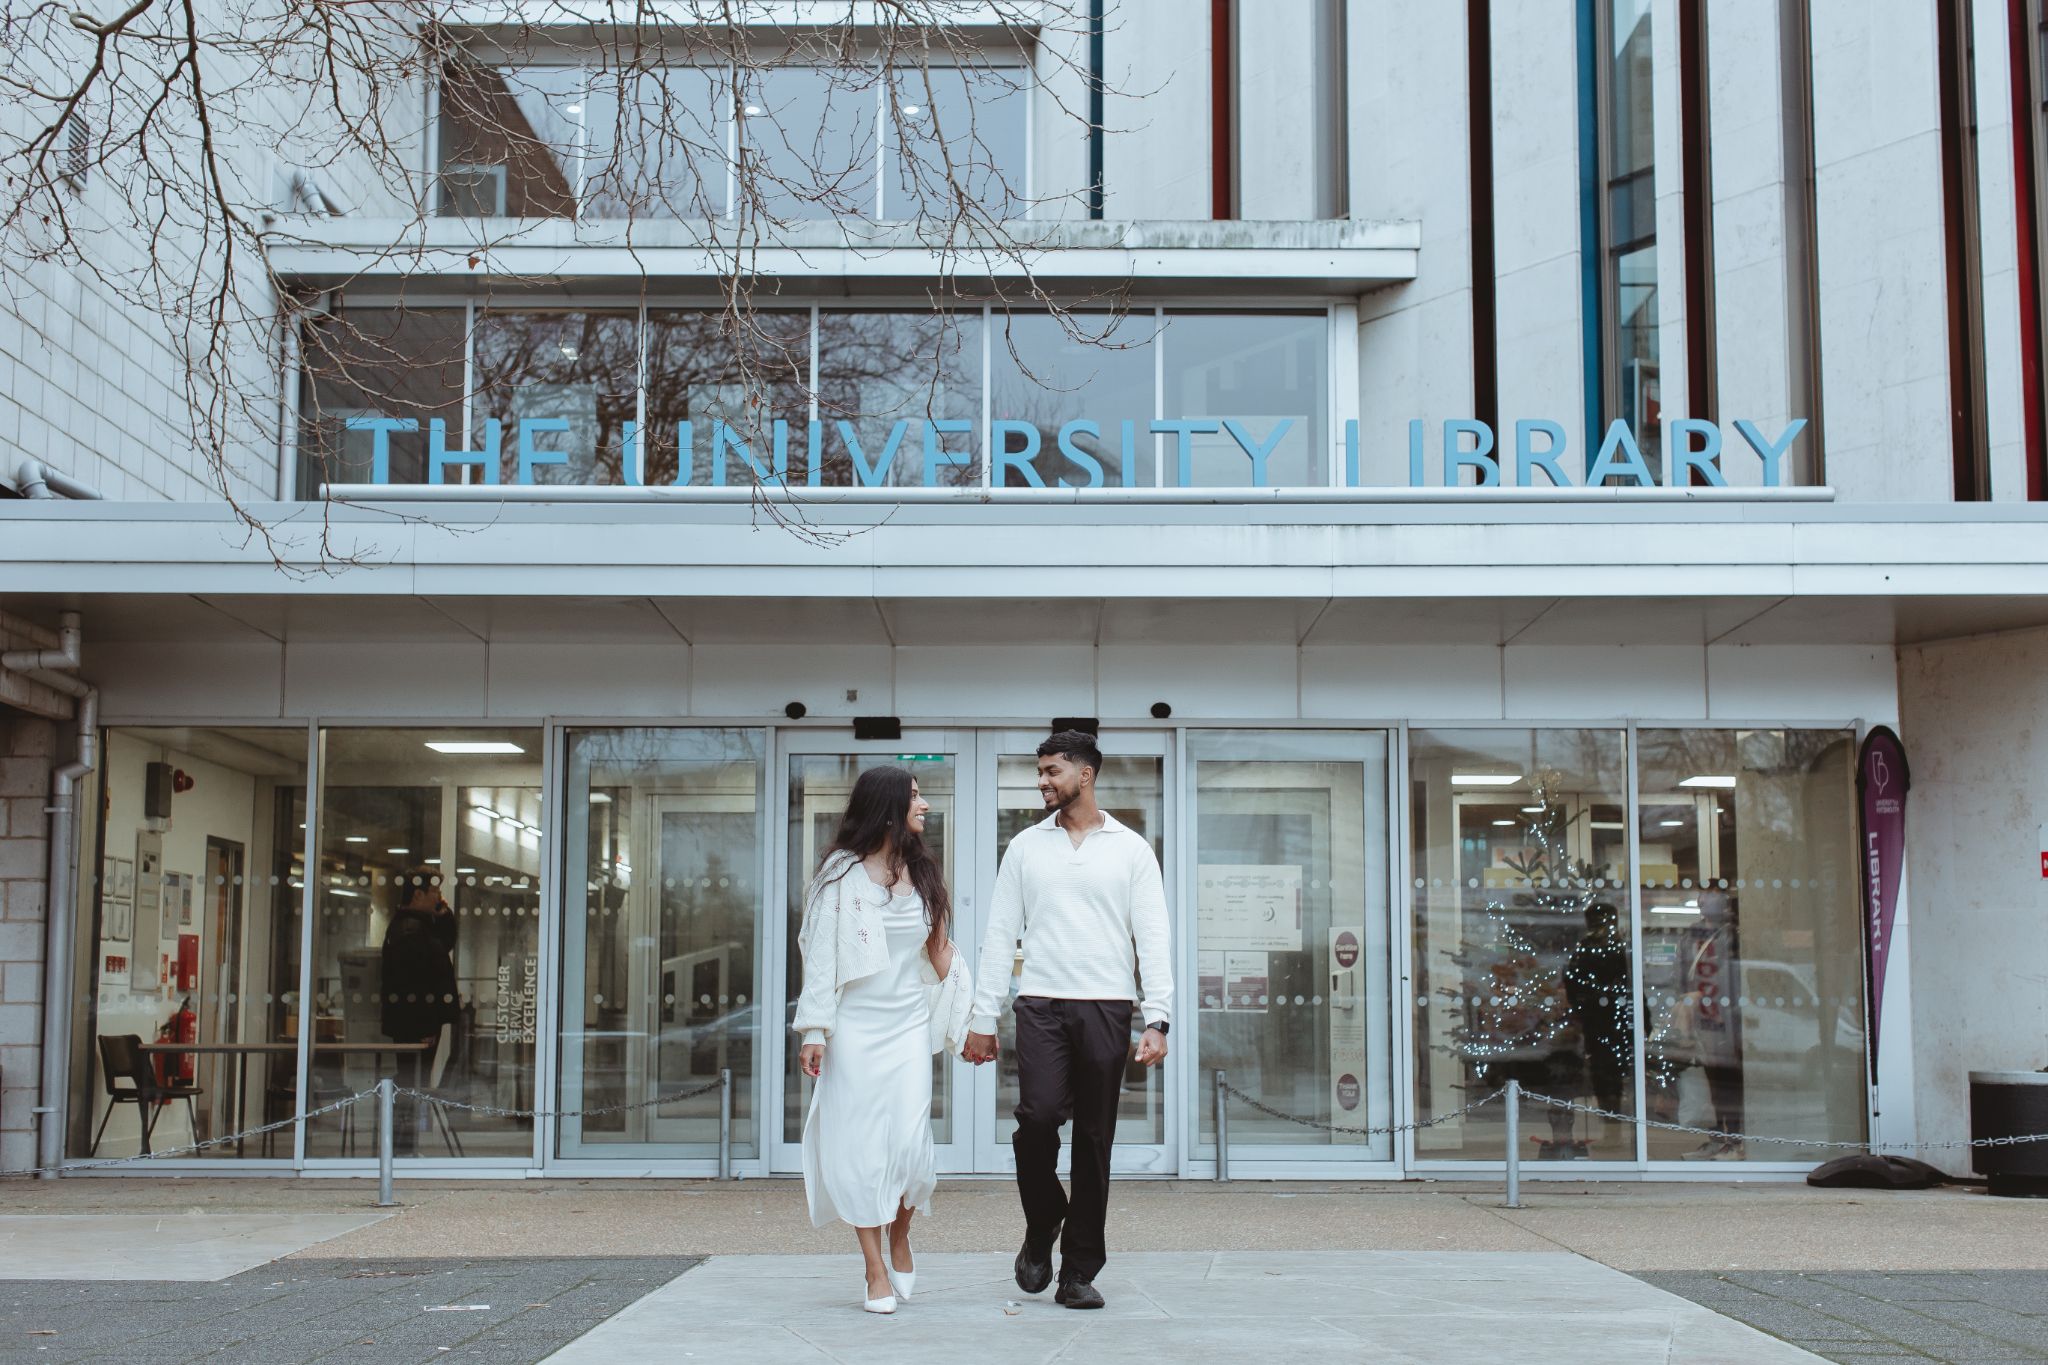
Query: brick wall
[27,744]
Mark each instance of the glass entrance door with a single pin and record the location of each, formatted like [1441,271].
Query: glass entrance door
[819,772]
[983,789]
[1131,787]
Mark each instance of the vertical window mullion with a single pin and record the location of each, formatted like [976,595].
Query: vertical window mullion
[988,456]
[1632,753]
[1158,393]
[468,381]
[638,454]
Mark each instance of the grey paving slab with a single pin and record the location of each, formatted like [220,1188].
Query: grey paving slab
[165,1246]
[1953,1316]
[1184,1307]
[297,1312]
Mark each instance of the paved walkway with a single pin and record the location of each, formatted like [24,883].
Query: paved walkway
[1181,1307]
[517,1271]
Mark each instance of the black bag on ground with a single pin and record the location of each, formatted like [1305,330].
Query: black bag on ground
[1868,1171]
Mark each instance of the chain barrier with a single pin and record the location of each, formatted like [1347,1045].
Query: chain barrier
[1339,1128]
[70,1168]
[335,1106]
[500,1112]
[1716,1134]
[1725,1135]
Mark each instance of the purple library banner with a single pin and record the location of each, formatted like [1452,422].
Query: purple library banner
[1881,783]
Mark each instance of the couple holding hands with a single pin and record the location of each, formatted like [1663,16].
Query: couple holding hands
[884,989]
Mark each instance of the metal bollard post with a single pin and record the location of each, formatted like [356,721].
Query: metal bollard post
[387,1101]
[1514,1103]
[1222,1129]
[725,1124]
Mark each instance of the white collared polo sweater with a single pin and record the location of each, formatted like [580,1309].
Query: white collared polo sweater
[1092,920]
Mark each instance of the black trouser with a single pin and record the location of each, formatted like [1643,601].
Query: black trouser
[1070,1065]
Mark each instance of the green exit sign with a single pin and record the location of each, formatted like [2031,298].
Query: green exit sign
[923,758]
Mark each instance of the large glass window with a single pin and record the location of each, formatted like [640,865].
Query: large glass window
[746,370]
[1630,227]
[187,990]
[896,396]
[956,128]
[1521,961]
[890,376]
[1290,923]
[1268,375]
[1046,371]
[662,948]
[561,386]
[426,935]
[399,363]
[792,142]
[1752,955]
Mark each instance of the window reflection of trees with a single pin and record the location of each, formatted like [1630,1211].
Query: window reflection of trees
[580,367]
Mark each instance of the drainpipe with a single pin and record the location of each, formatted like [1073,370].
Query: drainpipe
[37,480]
[58,668]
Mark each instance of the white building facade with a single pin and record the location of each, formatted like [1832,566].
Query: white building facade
[1481,470]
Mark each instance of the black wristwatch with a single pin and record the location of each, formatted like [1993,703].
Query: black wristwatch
[1163,1027]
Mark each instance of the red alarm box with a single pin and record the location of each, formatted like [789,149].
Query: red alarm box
[188,962]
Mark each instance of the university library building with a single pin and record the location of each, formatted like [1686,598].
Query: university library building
[1550,547]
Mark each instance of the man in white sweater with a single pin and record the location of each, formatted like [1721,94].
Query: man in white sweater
[1083,894]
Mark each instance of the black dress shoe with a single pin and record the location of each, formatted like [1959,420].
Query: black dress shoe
[1078,1294]
[1033,1273]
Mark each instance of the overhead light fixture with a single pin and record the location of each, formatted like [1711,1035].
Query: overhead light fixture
[398,850]
[337,891]
[431,862]
[600,798]
[753,109]
[1485,779]
[913,109]
[1708,780]
[355,839]
[1672,824]
[1534,810]
[1606,824]
[572,108]
[461,870]
[474,746]
[1674,910]
[1508,824]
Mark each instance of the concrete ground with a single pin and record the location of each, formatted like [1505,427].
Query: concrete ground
[1846,1275]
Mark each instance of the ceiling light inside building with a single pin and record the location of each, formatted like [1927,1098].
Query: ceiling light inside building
[474,746]
[1485,779]
[355,839]
[1508,824]
[398,850]
[1708,780]
[1672,824]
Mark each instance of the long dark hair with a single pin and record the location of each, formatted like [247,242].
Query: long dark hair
[875,822]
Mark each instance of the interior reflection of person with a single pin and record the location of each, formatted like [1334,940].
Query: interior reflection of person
[1709,1021]
[1597,990]
[419,987]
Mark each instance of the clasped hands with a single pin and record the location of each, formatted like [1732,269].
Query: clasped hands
[982,1047]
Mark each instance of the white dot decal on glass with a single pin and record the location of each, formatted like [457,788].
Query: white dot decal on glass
[669,999]
[1301,1000]
[668,884]
[1795,883]
[1472,881]
[725,881]
[1685,882]
[703,999]
[597,999]
[1422,1002]
[739,1000]
[1315,1000]
[1418,884]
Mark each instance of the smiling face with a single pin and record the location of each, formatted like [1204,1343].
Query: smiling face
[1061,781]
[919,807]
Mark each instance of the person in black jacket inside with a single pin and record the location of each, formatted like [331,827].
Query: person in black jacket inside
[419,975]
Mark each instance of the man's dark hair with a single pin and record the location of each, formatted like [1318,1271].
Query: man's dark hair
[1075,746]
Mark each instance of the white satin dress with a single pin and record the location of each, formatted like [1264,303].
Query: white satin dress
[868,1135]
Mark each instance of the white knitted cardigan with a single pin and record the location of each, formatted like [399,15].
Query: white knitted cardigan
[842,940]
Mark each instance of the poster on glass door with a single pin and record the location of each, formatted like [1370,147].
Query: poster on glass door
[1248,908]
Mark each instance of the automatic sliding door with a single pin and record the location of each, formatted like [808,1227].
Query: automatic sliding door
[820,783]
[1290,996]
[663,950]
[1131,787]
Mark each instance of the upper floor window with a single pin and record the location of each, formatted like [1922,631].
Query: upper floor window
[772,143]
[1631,378]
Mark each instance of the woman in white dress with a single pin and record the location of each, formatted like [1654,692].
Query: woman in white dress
[883,990]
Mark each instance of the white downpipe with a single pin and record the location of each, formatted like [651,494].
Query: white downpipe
[37,480]
[58,668]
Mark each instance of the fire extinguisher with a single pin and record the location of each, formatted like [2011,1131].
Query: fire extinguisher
[178,1068]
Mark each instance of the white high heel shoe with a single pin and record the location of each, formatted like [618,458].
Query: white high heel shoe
[902,1281]
[885,1304]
